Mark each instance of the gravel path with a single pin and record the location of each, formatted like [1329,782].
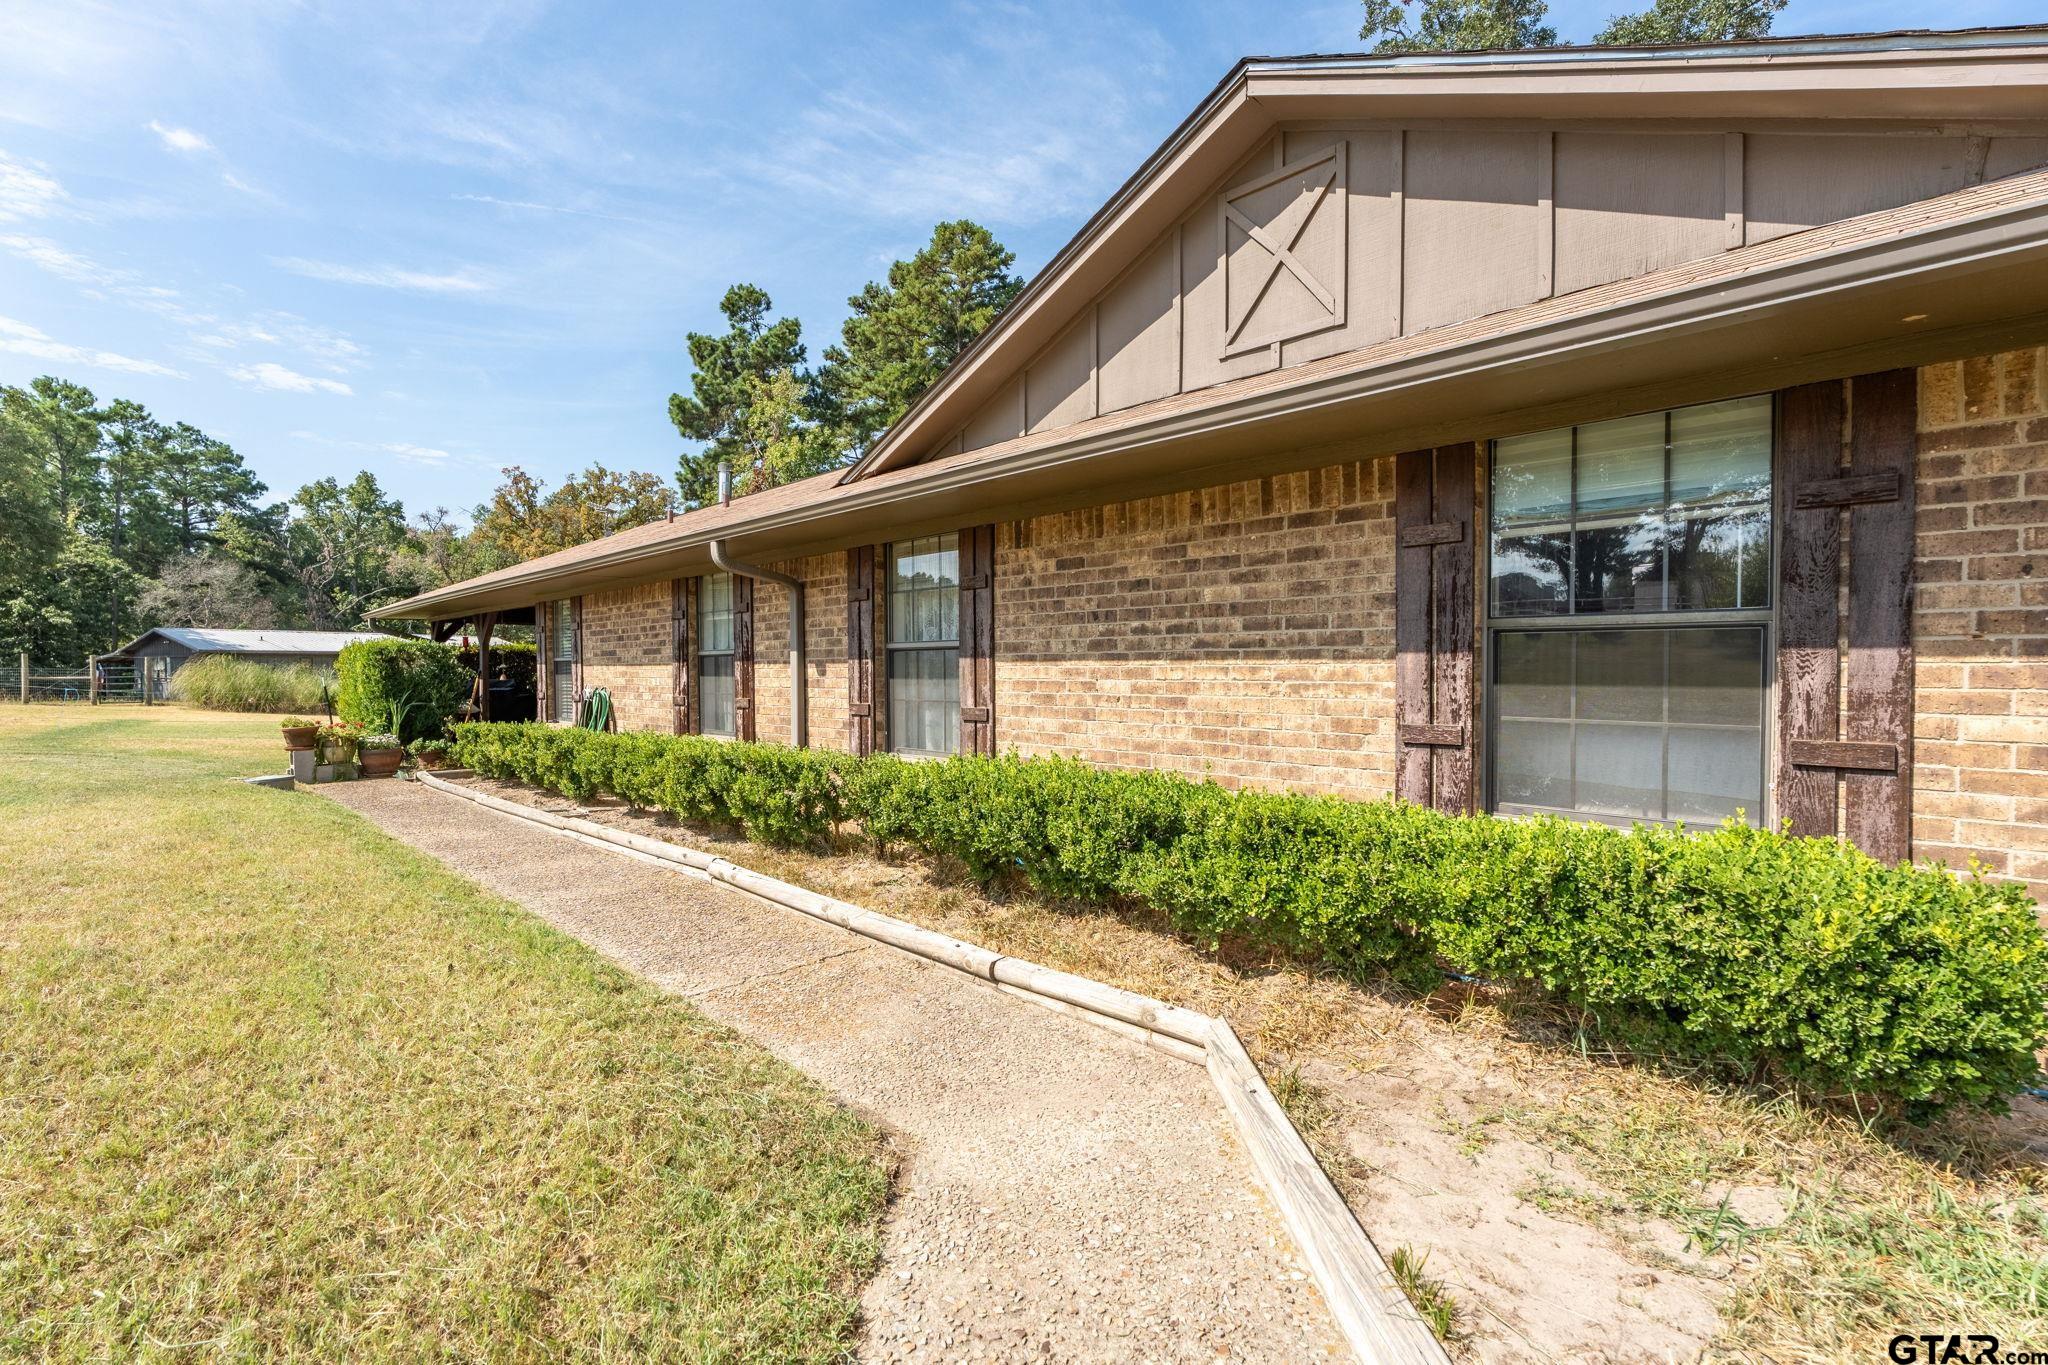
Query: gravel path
[1064,1195]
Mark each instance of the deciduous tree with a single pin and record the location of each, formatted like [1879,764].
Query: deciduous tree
[209,589]
[1693,21]
[523,519]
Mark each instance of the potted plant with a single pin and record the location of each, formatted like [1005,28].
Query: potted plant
[380,755]
[338,741]
[300,733]
[431,754]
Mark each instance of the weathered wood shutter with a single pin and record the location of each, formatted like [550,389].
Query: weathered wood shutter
[978,640]
[1434,714]
[1872,755]
[576,659]
[543,662]
[743,657]
[860,650]
[679,652]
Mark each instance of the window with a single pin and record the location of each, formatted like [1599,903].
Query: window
[562,661]
[924,645]
[1660,526]
[715,676]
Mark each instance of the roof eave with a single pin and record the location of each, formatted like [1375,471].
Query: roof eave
[1978,279]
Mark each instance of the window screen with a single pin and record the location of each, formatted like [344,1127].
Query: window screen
[924,645]
[562,661]
[1658,525]
[716,678]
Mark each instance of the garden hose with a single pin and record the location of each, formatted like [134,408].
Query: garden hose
[597,710]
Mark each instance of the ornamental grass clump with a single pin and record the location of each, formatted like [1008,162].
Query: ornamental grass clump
[222,682]
[1802,958]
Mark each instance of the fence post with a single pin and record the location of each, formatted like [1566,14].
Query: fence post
[24,677]
[92,682]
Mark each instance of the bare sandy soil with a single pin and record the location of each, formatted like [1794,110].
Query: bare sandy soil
[1063,1194]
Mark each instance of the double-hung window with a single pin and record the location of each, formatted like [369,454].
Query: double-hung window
[715,674]
[562,661]
[1628,615]
[924,645]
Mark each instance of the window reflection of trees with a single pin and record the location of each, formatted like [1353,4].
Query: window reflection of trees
[1703,547]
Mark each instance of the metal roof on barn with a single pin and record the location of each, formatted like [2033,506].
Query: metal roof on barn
[204,641]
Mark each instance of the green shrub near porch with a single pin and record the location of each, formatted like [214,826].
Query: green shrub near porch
[410,688]
[1801,956]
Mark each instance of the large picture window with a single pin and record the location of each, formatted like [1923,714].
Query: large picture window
[562,661]
[924,645]
[1659,526]
[716,714]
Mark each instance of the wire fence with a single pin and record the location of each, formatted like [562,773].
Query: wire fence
[102,682]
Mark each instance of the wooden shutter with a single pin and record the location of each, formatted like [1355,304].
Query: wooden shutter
[978,640]
[576,659]
[1852,779]
[860,650]
[679,653]
[1433,626]
[543,662]
[743,657]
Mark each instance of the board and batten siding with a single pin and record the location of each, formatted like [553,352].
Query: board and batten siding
[1327,239]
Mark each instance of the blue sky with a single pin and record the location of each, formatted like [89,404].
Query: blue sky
[430,240]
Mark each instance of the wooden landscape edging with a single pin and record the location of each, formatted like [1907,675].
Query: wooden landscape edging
[1370,1309]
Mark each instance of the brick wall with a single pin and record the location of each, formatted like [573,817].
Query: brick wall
[626,648]
[824,578]
[1980,621]
[1244,631]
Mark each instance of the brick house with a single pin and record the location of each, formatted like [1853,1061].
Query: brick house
[1644,434]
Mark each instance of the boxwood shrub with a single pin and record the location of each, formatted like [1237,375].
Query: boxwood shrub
[1799,956]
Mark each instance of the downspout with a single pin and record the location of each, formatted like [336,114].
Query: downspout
[799,711]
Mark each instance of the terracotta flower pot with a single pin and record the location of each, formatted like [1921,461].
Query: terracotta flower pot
[298,737]
[380,762]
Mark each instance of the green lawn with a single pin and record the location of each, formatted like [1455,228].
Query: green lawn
[274,1084]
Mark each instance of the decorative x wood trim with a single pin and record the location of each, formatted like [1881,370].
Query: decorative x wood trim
[1322,174]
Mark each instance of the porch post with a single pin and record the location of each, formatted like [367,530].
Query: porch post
[485,622]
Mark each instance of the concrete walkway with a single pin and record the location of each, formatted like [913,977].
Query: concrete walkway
[1065,1195]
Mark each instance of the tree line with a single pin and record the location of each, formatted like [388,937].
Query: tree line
[117,521]
[1475,25]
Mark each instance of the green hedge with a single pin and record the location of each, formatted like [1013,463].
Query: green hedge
[1750,947]
[411,688]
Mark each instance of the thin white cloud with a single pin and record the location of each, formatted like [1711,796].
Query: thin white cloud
[323,347]
[408,451]
[534,207]
[19,338]
[181,140]
[464,281]
[268,374]
[26,191]
[60,261]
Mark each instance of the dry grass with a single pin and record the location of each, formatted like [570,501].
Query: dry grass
[1873,1226]
[279,1086]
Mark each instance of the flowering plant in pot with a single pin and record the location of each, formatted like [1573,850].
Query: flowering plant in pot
[338,741]
[380,755]
[299,733]
[430,753]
